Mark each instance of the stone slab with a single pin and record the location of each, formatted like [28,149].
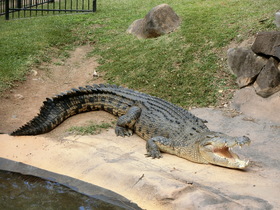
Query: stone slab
[119,164]
[248,102]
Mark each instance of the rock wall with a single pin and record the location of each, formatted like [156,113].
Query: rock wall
[258,65]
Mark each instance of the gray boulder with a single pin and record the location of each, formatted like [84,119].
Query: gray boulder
[245,64]
[268,81]
[159,21]
[267,43]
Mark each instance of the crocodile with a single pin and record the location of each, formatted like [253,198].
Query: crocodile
[165,127]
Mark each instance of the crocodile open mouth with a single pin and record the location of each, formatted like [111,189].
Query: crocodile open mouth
[223,155]
[225,152]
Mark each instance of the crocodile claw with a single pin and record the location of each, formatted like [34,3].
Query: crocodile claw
[154,154]
[152,149]
[121,131]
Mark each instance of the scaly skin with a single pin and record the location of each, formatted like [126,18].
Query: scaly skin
[165,126]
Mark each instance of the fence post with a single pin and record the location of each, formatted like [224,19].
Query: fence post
[19,4]
[94,6]
[7,7]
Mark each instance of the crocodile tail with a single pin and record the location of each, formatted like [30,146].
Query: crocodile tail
[57,109]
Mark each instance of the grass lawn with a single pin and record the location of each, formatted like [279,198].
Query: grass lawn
[182,67]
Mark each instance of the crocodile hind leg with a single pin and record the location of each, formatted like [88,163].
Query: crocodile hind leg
[126,122]
[155,144]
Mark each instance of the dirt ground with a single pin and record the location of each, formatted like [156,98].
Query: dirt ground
[119,164]
[21,103]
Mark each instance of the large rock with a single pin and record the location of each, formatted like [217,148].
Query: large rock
[160,20]
[245,65]
[268,81]
[267,43]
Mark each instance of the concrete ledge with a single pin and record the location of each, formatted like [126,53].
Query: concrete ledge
[119,164]
[74,184]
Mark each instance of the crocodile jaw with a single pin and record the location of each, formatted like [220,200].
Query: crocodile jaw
[217,150]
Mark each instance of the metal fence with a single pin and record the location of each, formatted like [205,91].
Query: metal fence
[28,8]
[2,7]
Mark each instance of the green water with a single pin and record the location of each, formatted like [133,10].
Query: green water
[28,192]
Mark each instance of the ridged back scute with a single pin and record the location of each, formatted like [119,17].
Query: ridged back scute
[111,98]
[60,107]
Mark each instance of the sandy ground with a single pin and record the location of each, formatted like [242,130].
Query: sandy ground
[119,164]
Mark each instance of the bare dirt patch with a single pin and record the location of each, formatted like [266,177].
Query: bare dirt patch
[21,103]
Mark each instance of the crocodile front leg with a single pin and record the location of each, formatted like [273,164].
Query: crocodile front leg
[126,122]
[155,144]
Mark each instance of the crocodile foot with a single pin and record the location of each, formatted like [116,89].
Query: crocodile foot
[121,131]
[152,146]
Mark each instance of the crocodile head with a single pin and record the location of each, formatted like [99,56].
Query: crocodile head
[216,148]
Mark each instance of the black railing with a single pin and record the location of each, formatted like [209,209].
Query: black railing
[29,8]
[2,7]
